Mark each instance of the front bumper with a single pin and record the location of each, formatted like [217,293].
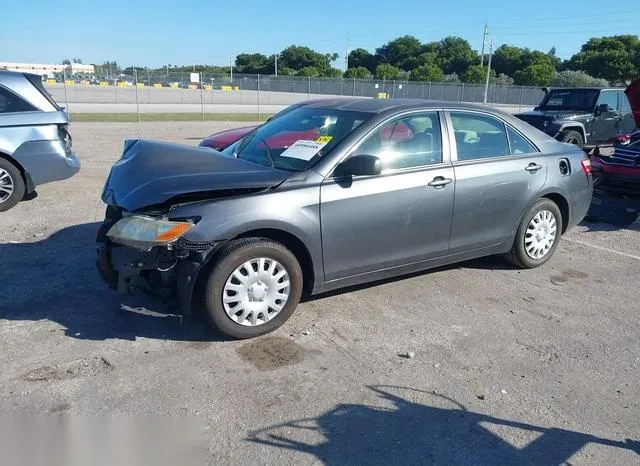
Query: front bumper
[171,273]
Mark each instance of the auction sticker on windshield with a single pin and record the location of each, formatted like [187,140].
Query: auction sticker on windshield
[303,149]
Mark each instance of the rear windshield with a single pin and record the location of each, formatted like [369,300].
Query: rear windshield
[572,99]
[298,139]
[37,83]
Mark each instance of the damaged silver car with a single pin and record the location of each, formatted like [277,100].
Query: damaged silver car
[333,194]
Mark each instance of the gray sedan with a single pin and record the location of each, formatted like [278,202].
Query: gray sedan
[332,194]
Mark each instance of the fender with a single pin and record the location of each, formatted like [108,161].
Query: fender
[573,125]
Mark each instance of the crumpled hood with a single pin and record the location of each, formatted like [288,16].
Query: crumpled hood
[633,94]
[152,172]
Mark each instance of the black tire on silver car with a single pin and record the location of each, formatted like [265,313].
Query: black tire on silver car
[11,185]
[253,288]
[538,235]
[572,137]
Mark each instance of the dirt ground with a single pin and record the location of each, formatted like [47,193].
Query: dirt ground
[477,363]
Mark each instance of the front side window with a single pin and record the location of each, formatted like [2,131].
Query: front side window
[11,103]
[409,141]
[479,136]
[609,98]
[299,138]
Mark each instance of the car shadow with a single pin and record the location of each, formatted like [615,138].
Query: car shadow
[412,426]
[56,279]
[612,211]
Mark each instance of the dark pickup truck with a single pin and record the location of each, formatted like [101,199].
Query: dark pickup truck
[586,117]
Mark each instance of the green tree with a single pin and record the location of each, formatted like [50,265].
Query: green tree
[538,74]
[309,71]
[359,72]
[476,74]
[387,71]
[427,72]
[331,73]
[503,79]
[251,63]
[362,58]
[451,78]
[507,60]
[398,51]
[614,58]
[455,55]
[298,57]
[570,78]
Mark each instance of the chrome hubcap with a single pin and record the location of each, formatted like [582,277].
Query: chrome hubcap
[540,235]
[6,185]
[256,292]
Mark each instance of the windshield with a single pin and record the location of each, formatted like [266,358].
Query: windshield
[296,140]
[572,99]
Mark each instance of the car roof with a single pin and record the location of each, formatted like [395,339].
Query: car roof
[369,105]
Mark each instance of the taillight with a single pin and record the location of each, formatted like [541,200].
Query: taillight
[586,166]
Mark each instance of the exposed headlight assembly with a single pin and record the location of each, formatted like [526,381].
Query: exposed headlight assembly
[142,232]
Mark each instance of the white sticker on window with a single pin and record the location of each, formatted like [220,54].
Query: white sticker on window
[303,149]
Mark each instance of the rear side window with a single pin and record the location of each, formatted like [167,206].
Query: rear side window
[479,136]
[519,145]
[11,103]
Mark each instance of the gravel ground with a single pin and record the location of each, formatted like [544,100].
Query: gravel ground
[474,363]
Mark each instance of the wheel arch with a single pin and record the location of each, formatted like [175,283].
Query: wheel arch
[562,203]
[25,176]
[575,126]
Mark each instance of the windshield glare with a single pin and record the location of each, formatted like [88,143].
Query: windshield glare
[296,140]
[579,99]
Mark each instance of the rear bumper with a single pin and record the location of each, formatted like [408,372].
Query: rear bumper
[45,162]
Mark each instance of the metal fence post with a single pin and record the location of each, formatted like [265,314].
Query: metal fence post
[258,87]
[429,90]
[354,87]
[462,94]
[135,79]
[521,95]
[308,87]
[201,96]
[393,89]
[66,99]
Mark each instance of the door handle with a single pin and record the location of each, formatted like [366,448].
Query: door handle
[533,167]
[439,182]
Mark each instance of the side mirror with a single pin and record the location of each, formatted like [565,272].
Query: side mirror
[359,165]
[603,108]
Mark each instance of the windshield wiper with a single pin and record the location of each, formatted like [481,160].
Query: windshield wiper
[271,161]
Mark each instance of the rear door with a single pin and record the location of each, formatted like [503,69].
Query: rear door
[498,174]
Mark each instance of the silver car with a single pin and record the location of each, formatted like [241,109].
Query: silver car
[331,194]
[35,146]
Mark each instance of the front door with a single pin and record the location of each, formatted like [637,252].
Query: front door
[498,174]
[398,217]
[606,123]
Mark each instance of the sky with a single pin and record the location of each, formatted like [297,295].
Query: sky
[156,33]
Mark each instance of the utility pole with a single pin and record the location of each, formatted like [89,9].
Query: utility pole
[484,38]
[276,64]
[486,85]
[346,56]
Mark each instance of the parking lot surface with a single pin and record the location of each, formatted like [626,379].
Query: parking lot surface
[472,363]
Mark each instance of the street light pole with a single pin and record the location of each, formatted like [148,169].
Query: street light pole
[486,85]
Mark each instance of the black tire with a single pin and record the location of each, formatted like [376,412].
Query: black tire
[572,137]
[18,185]
[518,254]
[232,256]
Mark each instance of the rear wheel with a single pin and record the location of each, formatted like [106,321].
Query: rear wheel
[538,235]
[11,185]
[254,287]
[571,136]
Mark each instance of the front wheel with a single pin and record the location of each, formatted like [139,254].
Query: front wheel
[538,235]
[254,287]
[572,137]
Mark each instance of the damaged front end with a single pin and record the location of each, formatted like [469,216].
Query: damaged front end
[128,258]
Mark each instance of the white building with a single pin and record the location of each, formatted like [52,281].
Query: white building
[47,70]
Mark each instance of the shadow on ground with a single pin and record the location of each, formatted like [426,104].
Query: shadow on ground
[56,279]
[408,431]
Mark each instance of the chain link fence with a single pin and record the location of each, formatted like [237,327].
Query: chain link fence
[209,89]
